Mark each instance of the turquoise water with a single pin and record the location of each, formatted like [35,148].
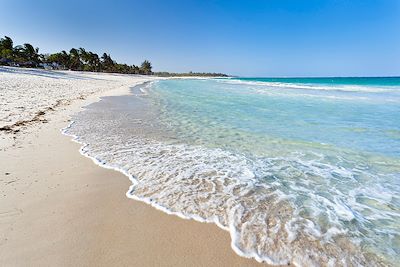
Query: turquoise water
[303,171]
[331,81]
[367,119]
[341,144]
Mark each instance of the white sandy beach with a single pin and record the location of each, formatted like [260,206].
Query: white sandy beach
[57,208]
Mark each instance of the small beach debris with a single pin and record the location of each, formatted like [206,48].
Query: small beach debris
[6,128]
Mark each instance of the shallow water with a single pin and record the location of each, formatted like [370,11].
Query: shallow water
[306,172]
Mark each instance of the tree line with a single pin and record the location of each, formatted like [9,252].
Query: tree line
[188,74]
[76,59]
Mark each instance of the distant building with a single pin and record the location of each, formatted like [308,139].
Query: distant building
[28,64]
[50,66]
[5,61]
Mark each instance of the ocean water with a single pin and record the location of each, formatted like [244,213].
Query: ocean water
[299,170]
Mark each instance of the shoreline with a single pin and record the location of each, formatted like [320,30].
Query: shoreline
[134,182]
[51,191]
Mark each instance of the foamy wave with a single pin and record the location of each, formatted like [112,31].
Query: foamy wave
[305,86]
[213,185]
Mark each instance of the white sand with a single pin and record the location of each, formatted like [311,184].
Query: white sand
[27,95]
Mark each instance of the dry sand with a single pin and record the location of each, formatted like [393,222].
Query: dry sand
[57,208]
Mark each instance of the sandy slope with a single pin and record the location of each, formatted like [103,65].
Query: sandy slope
[28,94]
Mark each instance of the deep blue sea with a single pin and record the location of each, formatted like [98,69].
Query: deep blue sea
[298,170]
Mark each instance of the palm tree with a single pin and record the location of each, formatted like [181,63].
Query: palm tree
[6,48]
[75,61]
[6,43]
[146,67]
[65,59]
[94,61]
[83,55]
[30,53]
[107,63]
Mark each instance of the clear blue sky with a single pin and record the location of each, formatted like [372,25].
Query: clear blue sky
[248,38]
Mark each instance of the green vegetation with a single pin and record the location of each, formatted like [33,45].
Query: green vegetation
[77,59]
[188,74]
